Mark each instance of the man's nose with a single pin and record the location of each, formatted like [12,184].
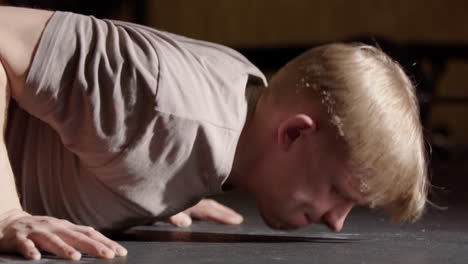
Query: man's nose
[336,217]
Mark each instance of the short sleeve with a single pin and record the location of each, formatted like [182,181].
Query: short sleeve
[95,83]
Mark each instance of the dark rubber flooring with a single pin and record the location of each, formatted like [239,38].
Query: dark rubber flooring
[368,237]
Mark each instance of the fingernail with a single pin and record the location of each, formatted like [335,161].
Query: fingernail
[121,251]
[107,253]
[237,219]
[185,222]
[74,255]
[34,255]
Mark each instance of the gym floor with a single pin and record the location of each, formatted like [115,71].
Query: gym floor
[368,237]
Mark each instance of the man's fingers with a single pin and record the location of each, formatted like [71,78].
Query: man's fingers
[93,234]
[181,220]
[221,216]
[55,245]
[87,245]
[27,248]
[210,209]
[28,234]
[206,209]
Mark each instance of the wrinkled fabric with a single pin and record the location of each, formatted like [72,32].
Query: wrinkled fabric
[120,124]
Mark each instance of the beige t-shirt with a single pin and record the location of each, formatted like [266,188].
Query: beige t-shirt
[123,123]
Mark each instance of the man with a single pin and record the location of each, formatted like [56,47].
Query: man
[117,124]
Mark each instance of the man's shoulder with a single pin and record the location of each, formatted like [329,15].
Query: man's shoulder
[20,30]
[205,81]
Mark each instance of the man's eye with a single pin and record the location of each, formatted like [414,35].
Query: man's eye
[335,192]
[338,194]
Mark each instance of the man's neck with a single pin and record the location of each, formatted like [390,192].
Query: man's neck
[249,147]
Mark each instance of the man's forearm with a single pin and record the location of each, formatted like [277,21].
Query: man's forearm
[8,195]
[20,31]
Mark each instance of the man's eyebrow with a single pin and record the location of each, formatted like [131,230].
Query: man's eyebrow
[349,198]
[356,200]
[351,195]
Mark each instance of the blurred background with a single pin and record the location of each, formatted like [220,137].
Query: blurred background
[428,37]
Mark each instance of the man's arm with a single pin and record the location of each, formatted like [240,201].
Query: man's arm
[9,200]
[20,31]
[19,35]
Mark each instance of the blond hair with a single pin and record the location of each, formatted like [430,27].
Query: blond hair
[372,103]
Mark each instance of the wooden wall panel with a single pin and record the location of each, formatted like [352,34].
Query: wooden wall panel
[267,23]
[297,22]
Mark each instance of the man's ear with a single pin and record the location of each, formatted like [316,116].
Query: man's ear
[293,128]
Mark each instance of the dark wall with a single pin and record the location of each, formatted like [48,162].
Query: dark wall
[428,37]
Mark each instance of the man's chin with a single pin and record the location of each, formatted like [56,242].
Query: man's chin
[267,219]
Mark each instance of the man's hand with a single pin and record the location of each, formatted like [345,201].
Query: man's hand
[25,234]
[206,209]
